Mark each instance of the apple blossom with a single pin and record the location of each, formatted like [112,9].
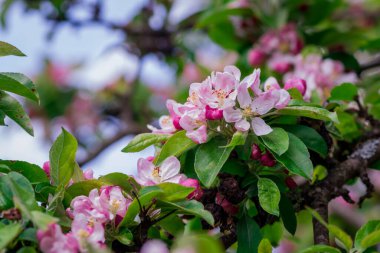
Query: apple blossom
[168,171]
[52,240]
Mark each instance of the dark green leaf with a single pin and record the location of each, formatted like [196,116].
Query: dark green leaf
[32,172]
[345,92]
[249,236]
[176,145]
[209,159]
[62,158]
[19,84]
[13,109]
[288,215]
[82,188]
[320,249]
[297,158]
[277,140]
[126,182]
[142,141]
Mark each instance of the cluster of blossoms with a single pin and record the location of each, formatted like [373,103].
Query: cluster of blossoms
[90,217]
[223,97]
[280,50]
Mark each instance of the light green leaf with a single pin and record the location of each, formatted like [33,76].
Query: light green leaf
[13,109]
[62,158]
[273,232]
[319,173]
[209,159]
[19,84]
[320,249]
[368,228]
[142,141]
[297,158]
[370,240]
[199,243]
[176,145]
[191,207]
[309,112]
[345,91]
[340,235]
[269,196]
[238,139]
[82,188]
[215,16]
[8,49]
[265,246]
[174,192]
[42,220]
[277,141]
[8,233]
[126,182]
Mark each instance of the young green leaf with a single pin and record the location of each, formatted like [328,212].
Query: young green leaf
[62,158]
[341,236]
[365,230]
[277,141]
[269,196]
[248,233]
[345,92]
[126,182]
[19,84]
[238,139]
[176,145]
[319,173]
[191,207]
[309,112]
[273,232]
[297,158]
[13,109]
[8,233]
[8,49]
[209,159]
[265,246]
[174,192]
[42,220]
[320,248]
[370,240]
[142,141]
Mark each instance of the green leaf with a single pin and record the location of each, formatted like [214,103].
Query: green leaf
[125,236]
[32,172]
[142,141]
[345,92]
[320,249]
[288,214]
[145,197]
[8,234]
[319,173]
[174,192]
[269,196]
[215,16]
[191,207]
[341,236]
[8,49]
[13,109]
[29,234]
[311,138]
[265,246]
[42,220]
[277,141]
[126,182]
[248,233]
[2,118]
[297,158]
[370,240]
[365,230]
[251,208]
[309,112]
[209,159]
[27,249]
[173,224]
[62,158]
[199,243]
[273,232]
[19,84]
[176,145]
[238,139]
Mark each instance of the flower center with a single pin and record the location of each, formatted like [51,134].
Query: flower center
[247,112]
[115,204]
[221,95]
[156,173]
[83,233]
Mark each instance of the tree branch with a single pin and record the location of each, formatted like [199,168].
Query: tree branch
[373,64]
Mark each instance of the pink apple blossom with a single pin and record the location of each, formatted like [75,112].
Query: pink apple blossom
[86,231]
[198,192]
[46,168]
[52,240]
[113,200]
[88,174]
[195,124]
[168,171]
[296,83]
[256,57]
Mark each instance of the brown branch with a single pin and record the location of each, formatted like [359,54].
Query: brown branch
[373,64]
[92,154]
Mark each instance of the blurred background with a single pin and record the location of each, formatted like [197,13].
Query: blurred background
[104,69]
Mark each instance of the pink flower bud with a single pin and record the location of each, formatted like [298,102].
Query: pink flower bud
[256,57]
[281,67]
[46,168]
[290,183]
[297,83]
[176,123]
[150,158]
[267,159]
[226,205]
[213,113]
[197,193]
[256,152]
